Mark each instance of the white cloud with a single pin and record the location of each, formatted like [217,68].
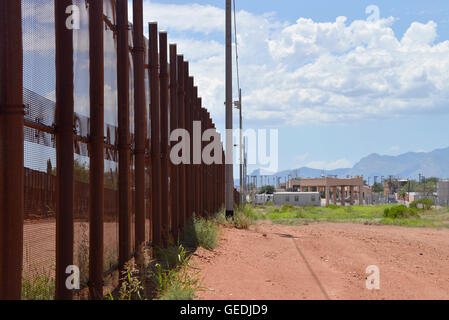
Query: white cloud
[303,157]
[324,165]
[308,72]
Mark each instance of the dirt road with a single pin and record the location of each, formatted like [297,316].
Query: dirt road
[325,261]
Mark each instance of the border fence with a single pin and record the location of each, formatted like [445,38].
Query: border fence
[86,107]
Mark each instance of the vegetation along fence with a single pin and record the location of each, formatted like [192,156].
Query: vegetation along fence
[86,107]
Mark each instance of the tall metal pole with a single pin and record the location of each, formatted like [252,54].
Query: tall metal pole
[96,172]
[11,150]
[182,125]
[241,147]
[123,131]
[140,125]
[155,136]
[174,172]
[229,136]
[163,66]
[64,148]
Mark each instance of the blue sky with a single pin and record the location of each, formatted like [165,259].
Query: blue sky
[336,89]
[337,84]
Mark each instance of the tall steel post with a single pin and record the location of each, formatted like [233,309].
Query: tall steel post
[11,150]
[189,120]
[155,136]
[163,56]
[196,159]
[140,125]
[123,131]
[241,148]
[229,135]
[64,148]
[181,124]
[96,172]
[174,172]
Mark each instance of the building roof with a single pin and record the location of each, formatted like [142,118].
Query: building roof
[297,193]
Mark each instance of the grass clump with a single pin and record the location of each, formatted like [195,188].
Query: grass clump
[38,286]
[178,293]
[244,217]
[172,275]
[200,232]
[400,211]
[132,288]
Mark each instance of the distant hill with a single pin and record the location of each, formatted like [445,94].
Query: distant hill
[407,165]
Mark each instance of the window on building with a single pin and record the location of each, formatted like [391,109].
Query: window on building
[296,199]
[313,198]
[287,199]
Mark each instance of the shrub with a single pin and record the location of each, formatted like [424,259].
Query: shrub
[425,202]
[173,256]
[332,206]
[201,232]
[244,217]
[400,211]
[270,203]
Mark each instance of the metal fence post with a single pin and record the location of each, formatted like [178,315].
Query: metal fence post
[191,184]
[187,117]
[64,148]
[201,166]
[123,129]
[195,185]
[174,173]
[96,172]
[11,150]
[155,136]
[140,116]
[182,125]
[164,137]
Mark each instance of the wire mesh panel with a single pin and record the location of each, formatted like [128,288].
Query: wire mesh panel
[133,145]
[39,149]
[147,148]
[81,154]
[111,169]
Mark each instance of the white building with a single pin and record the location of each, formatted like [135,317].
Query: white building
[263,198]
[300,199]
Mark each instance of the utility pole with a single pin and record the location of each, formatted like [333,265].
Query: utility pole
[238,105]
[229,136]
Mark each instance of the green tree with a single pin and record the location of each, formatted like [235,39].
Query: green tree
[377,187]
[267,190]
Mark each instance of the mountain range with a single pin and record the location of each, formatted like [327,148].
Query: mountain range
[407,165]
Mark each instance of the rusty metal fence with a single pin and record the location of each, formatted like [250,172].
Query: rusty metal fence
[86,107]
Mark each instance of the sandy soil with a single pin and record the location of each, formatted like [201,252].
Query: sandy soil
[325,261]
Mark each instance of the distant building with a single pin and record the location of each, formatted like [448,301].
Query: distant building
[300,199]
[263,198]
[346,190]
[443,192]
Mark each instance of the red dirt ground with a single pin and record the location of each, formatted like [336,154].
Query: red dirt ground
[325,261]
